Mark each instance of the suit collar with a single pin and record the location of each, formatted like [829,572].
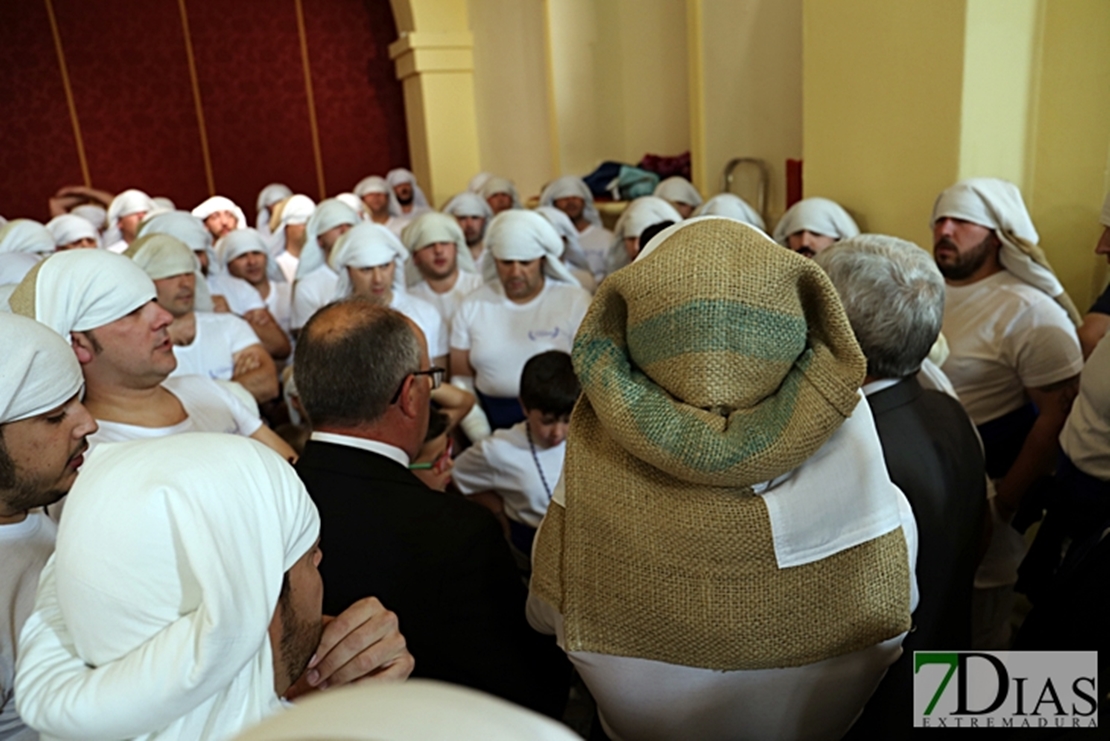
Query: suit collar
[325,456]
[902,393]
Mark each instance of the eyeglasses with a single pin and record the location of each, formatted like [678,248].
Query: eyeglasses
[439,465]
[436,374]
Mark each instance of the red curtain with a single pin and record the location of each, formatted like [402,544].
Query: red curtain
[136,103]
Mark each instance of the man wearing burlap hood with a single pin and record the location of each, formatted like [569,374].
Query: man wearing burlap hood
[725,556]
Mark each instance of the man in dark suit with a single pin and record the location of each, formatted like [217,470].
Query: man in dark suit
[894,297]
[439,561]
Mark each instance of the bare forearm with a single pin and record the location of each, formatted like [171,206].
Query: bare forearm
[1036,459]
[273,339]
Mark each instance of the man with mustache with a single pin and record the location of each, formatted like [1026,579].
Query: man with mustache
[1014,361]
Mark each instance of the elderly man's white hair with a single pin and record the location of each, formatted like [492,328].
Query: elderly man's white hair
[893,295]
[152,618]
[38,370]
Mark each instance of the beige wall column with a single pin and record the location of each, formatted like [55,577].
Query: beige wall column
[434,61]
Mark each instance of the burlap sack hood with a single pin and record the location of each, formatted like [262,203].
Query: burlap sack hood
[716,362]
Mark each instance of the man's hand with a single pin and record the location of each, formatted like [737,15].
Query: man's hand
[362,644]
[244,363]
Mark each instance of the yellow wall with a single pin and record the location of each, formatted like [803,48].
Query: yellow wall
[1071,142]
[881,113]
[510,91]
[752,57]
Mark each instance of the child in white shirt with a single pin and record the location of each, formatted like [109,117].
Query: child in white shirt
[514,471]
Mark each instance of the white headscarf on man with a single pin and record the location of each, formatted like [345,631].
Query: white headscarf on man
[162,256]
[211,205]
[26,235]
[328,215]
[152,619]
[997,204]
[639,215]
[399,175]
[732,207]
[68,228]
[430,228]
[817,215]
[494,185]
[678,189]
[570,186]
[242,241]
[269,197]
[367,245]
[517,234]
[38,370]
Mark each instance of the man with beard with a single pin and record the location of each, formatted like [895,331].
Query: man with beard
[441,270]
[43,430]
[1014,359]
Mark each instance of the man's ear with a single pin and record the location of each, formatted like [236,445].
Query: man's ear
[408,402]
[82,347]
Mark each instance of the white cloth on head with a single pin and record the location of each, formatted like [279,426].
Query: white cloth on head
[678,189]
[79,290]
[495,185]
[570,186]
[355,203]
[162,203]
[429,228]
[152,618]
[296,209]
[92,213]
[215,204]
[817,215]
[15,265]
[997,205]
[162,256]
[378,184]
[639,215]
[328,215]
[516,234]
[68,228]
[399,175]
[475,184]
[181,225]
[240,242]
[572,248]
[468,204]
[128,202]
[418,710]
[269,197]
[38,370]
[26,235]
[367,245]
[733,207]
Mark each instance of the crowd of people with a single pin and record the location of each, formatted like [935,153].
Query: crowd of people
[730,478]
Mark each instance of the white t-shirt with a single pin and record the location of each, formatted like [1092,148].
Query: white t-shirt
[426,317]
[1004,336]
[280,304]
[448,303]
[501,335]
[288,262]
[596,241]
[241,296]
[315,290]
[218,338]
[503,463]
[24,549]
[1086,435]
[209,406]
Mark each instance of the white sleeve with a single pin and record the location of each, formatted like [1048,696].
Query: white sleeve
[246,419]
[460,327]
[240,334]
[474,471]
[1043,346]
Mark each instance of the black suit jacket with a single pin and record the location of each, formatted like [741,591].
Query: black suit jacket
[934,456]
[438,561]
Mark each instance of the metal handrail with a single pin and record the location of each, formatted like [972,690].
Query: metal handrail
[764,180]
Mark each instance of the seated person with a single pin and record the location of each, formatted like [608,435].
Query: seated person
[813,224]
[433,464]
[162,615]
[514,471]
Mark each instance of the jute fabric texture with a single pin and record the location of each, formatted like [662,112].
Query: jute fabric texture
[716,362]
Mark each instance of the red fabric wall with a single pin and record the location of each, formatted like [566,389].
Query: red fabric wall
[136,108]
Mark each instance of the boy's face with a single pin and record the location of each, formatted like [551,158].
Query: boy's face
[548,430]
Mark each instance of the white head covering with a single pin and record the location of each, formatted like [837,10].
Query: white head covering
[162,256]
[476,182]
[241,241]
[15,265]
[152,618]
[367,245]
[733,207]
[219,203]
[38,371]
[128,202]
[429,228]
[186,227]
[399,175]
[269,197]
[570,186]
[355,203]
[79,290]
[517,234]
[378,184]
[817,215]
[417,710]
[468,204]
[164,204]
[640,214]
[495,185]
[328,215]
[68,228]
[997,204]
[94,214]
[678,189]
[572,252]
[26,235]
[296,209]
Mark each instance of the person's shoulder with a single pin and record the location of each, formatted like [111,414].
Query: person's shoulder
[484,295]
[222,321]
[566,292]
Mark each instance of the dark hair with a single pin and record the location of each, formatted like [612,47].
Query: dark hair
[548,383]
[651,231]
[349,366]
[437,422]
